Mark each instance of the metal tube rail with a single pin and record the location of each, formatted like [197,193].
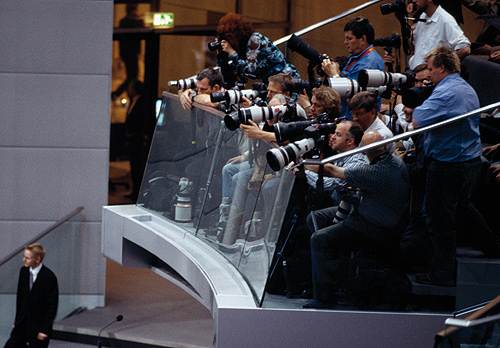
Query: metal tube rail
[401,136]
[327,21]
[471,323]
[42,234]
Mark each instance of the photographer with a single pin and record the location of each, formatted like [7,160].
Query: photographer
[364,111]
[359,35]
[453,156]
[347,137]
[436,28]
[324,100]
[244,171]
[280,84]
[208,81]
[250,53]
[384,187]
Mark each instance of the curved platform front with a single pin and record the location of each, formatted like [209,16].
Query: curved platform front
[133,237]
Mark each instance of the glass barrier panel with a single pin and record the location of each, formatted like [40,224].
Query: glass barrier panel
[216,184]
[229,221]
[63,246]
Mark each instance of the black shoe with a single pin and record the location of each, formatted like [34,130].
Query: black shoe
[427,279]
[307,294]
[315,304]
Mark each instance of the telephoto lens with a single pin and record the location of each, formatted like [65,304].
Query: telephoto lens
[345,87]
[257,114]
[184,84]
[377,78]
[282,156]
[290,130]
[235,96]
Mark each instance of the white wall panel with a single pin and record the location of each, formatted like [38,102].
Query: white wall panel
[43,110]
[56,36]
[46,184]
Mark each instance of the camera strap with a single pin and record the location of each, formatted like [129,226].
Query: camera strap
[356,59]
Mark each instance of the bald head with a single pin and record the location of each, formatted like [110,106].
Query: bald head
[371,137]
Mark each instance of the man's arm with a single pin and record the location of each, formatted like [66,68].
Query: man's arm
[254,132]
[463,52]
[185,98]
[334,171]
[205,100]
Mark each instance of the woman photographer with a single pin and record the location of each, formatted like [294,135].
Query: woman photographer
[253,55]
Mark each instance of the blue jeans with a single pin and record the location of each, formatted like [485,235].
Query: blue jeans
[230,174]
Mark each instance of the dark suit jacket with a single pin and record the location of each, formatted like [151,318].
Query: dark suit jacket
[36,309]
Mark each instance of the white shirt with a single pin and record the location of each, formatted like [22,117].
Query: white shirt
[35,272]
[441,29]
[379,126]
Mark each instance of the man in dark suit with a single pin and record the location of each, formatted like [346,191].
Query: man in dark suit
[37,299]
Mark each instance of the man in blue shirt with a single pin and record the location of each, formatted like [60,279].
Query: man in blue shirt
[453,155]
[358,38]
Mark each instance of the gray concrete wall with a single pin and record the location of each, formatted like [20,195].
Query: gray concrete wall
[55,86]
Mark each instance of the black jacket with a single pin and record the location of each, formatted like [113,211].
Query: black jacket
[36,309]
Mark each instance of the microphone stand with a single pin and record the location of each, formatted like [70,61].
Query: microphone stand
[118,318]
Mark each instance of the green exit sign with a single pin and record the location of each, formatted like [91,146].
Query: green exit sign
[163,19]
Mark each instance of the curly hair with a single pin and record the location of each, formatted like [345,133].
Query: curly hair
[235,29]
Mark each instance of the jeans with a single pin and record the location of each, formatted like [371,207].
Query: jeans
[448,190]
[230,174]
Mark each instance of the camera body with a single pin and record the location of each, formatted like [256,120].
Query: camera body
[392,41]
[214,46]
[415,96]
[294,130]
[398,7]
[299,85]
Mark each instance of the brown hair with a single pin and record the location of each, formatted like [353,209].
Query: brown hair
[364,100]
[445,56]
[284,81]
[235,29]
[329,99]
[37,249]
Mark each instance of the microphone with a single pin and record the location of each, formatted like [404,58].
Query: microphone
[118,318]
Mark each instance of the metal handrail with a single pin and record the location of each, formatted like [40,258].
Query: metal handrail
[401,136]
[327,21]
[42,234]
[471,323]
